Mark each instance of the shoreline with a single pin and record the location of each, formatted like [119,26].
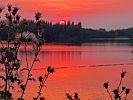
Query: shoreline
[93,40]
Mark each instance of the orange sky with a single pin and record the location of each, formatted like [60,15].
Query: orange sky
[92,13]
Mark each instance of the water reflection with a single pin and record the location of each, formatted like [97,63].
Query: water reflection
[81,69]
[62,56]
[60,59]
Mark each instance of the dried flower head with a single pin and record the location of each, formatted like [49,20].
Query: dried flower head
[68,96]
[38,15]
[42,98]
[9,7]
[18,17]
[123,88]
[50,69]
[40,78]
[123,74]
[76,96]
[127,91]
[116,91]
[26,36]
[116,94]
[106,85]
[22,87]
[15,10]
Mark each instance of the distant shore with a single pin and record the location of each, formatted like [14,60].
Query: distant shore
[93,40]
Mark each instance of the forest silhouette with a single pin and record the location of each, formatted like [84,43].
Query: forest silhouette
[73,33]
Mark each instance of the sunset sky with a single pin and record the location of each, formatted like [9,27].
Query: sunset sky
[109,14]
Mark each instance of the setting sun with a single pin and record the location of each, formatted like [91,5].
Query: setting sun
[62,22]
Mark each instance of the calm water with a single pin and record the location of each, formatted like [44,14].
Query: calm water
[82,69]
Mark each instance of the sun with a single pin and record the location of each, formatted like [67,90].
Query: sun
[62,22]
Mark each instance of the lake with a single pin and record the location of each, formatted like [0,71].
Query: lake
[82,69]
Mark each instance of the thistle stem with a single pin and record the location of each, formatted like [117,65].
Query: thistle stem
[42,84]
[120,83]
[26,55]
[109,94]
[28,76]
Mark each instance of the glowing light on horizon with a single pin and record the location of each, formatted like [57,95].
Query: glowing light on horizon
[112,13]
[62,22]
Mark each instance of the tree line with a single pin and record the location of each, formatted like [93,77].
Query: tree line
[71,33]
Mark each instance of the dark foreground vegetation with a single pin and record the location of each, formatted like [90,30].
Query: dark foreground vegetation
[12,74]
[118,93]
[72,33]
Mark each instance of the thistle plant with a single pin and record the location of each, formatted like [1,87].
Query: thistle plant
[70,97]
[9,60]
[120,92]
[42,80]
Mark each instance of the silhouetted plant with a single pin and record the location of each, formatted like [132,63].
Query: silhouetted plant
[42,80]
[70,97]
[9,59]
[119,93]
